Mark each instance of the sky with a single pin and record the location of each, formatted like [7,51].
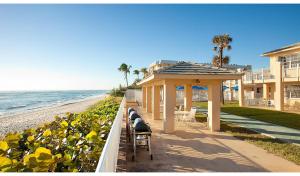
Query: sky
[76,47]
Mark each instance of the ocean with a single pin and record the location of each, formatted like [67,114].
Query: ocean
[18,101]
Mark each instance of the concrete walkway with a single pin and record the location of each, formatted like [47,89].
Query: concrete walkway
[193,148]
[275,131]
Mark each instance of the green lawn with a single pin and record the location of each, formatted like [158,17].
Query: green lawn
[290,120]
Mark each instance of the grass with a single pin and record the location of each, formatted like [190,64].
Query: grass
[286,119]
[201,117]
[288,151]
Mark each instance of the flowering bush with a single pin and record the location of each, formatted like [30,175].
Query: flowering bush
[68,144]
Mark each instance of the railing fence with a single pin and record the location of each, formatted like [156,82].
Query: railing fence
[134,95]
[109,156]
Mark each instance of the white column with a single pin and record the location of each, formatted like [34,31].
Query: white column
[241,92]
[279,94]
[155,102]
[188,94]
[144,96]
[169,107]
[298,72]
[214,105]
[266,91]
[149,98]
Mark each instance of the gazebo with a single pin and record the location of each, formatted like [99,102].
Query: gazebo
[186,74]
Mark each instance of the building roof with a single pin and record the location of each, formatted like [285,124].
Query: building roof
[188,68]
[286,48]
[164,62]
[187,71]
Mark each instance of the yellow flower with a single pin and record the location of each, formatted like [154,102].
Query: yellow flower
[43,153]
[47,133]
[4,146]
[4,162]
[91,136]
[30,138]
[64,124]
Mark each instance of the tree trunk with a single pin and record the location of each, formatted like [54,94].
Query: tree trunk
[126,79]
[221,57]
[221,65]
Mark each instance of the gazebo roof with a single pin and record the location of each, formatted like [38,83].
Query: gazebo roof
[190,71]
[188,68]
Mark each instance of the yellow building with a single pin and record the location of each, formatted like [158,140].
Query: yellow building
[279,85]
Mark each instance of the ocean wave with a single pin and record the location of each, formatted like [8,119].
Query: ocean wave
[16,107]
[37,100]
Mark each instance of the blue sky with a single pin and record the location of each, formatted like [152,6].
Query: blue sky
[81,46]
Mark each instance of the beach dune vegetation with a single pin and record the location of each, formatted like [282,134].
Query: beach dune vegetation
[72,143]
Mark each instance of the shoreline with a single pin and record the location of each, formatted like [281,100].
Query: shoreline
[49,105]
[33,118]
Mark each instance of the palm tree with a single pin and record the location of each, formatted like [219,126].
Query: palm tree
[136,72]
[144,71]
[126,70]
[221,43]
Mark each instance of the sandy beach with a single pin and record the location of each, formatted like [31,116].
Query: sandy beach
[19,122]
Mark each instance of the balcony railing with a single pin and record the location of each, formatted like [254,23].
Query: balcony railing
[109,156]
[262,75]
[291,72]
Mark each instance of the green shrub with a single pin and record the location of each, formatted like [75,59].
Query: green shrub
[200,117]
[68,144]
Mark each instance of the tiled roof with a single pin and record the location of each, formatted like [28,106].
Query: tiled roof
[188,68]
[280,49]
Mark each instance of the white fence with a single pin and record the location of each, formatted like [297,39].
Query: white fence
[259,102]
[109,156]
[134,95]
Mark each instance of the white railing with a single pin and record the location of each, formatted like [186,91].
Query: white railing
[134,95]
[263,74]
[259,102]
[109,156]
[293,72]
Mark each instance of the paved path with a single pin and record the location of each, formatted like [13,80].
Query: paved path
[194,148]
[272,130]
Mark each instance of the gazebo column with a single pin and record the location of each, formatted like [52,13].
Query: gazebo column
[169,107]
[149,98]
[241,92]
[155,102]
[144,96]
[214,105]
[188,97]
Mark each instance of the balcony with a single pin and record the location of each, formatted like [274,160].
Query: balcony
[258,77]
[291,73]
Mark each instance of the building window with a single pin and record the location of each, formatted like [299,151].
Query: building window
[258,90]
[293,91]
[291,61]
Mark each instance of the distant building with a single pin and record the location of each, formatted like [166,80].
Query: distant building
[279,85]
